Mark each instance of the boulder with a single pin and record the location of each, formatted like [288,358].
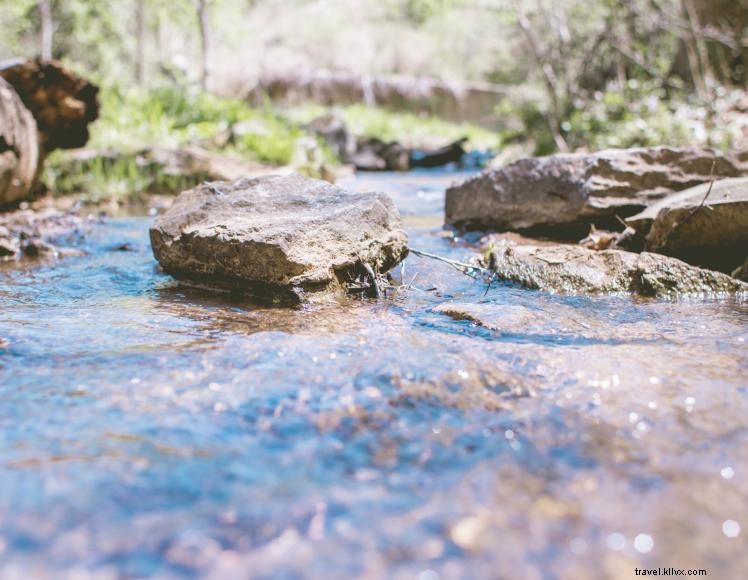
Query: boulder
[278,237]
[571,269]
[20,153]
[563,194]
[706,225]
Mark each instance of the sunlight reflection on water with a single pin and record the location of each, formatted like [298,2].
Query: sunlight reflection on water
[148,428]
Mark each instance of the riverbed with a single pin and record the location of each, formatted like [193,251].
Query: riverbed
[152,429]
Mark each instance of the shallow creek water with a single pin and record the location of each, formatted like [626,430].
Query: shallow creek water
[149,429]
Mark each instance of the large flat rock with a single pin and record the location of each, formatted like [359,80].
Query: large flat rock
[571,269]
[563,194]
[279,237]
[706,225]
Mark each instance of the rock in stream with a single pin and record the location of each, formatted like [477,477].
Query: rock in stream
[278,237]
[706,225]
[563,194]
[571,269]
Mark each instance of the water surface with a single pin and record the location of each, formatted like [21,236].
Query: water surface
[152,430]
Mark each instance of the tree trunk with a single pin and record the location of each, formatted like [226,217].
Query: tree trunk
[62,103]
[205,41]
[555,114]
[20,153]
[47,28]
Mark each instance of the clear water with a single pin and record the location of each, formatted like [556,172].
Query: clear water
[152,430]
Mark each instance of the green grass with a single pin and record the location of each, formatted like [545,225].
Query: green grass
[174,117]
[170,117]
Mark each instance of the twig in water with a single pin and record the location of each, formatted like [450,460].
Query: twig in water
[491,281]
[468,269]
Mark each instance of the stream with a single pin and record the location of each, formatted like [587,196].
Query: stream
[150,429]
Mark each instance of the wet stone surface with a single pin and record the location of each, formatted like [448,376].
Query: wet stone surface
[151,429]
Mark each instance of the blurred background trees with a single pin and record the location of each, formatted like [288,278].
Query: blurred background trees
[577,73]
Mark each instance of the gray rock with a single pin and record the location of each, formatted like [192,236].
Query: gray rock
[506,318]
[563,194]
[571,269]
[43,232]
[373,154]
[278,237]
[713,235]
[332,128]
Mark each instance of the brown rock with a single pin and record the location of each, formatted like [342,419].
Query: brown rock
[576,270]
[706,225]
[563,194]
[278,237]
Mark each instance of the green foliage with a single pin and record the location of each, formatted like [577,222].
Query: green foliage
[19,19]
[419,11]
[526,121]
[174,117]
[637,117]
[408,128]
[98,177]
[640,116]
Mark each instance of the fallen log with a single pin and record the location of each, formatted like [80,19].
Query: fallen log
[20,151]
[63,103]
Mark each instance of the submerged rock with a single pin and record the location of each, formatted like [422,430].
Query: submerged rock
[706,225]
[577,270]
[553,320]
[278,236]
[563,194]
